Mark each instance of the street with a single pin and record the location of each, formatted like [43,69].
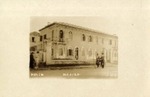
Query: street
[89,71]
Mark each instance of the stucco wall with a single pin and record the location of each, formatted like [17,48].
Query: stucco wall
[102,45]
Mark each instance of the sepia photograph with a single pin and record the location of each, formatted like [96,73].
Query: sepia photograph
[72,47]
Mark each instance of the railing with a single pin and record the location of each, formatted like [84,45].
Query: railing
[63,41]
[55,39]
[60,41]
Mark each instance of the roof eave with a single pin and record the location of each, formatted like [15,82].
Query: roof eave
[46,26]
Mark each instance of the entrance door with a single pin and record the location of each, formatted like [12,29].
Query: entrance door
[76,53]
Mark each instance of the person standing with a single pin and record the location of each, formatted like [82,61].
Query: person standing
[97,60]
[32,61]
[102,60]
[36,56]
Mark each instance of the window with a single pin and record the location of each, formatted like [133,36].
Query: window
[41,38]
[32,48]
[83,37]
[96,54]
[96,39]
[102,41]
[115,53]
[76,53]
[52,34]
[45,36]
[115,43]
[70,35]
[52,52]
[90,52]
[70,52]
[90,39]
[33,39]
[61,35]
[110,42]
[83,52]
[61,52]
[41,46]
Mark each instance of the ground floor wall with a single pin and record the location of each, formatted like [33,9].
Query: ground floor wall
[67,54]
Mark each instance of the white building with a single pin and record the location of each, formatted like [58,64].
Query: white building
[62,43]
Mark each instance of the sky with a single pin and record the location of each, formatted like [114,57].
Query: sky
[102,24]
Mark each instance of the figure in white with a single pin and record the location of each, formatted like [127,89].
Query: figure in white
[36,56]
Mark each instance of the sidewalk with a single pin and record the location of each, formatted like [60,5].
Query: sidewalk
[88,71]
[70,66]
[60,67]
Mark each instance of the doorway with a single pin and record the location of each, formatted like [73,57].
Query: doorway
[76,53]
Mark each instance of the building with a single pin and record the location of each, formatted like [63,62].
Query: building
[62,43]
[34,41]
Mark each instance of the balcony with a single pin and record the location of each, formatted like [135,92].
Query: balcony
[58,41]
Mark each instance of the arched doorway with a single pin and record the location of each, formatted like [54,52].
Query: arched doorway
[76,53]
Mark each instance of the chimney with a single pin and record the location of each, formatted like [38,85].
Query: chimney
[48,23]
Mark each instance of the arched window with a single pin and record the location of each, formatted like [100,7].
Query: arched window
[102,40]
[70,35]
[76,53]
[96,53]
[70,52]
[61,51]
[61,35]
[83,52]
[52,52]
[90,39]
[83,37]
[90,52]
[33,39]
[52,35]
[96,39]
[110,42]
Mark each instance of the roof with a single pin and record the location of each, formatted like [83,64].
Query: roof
[75,26]
[35,33]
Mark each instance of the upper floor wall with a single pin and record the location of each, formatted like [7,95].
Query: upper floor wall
[34,38]
[69,34]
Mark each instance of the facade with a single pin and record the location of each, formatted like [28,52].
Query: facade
[62,43]
[34,41]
